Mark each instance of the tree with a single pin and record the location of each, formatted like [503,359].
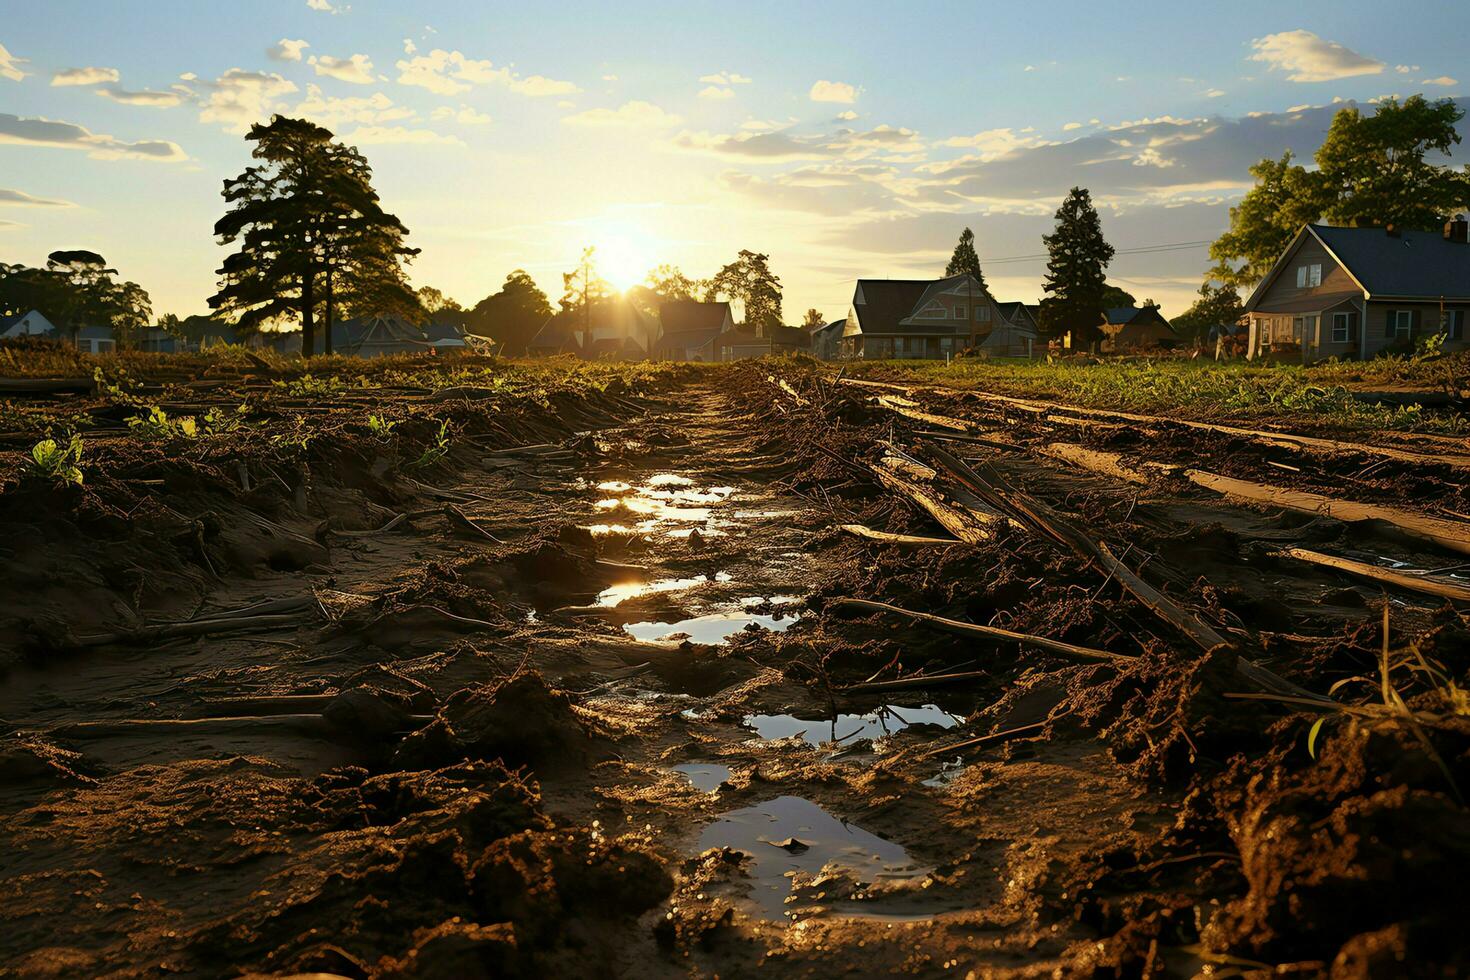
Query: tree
[670,284]
[513,315]
[1370,171]
[1075,280]
[307,216]
[583,287]
[749,281]
[1116,296]
[1216,304]
[1286,196]
[77,289]
[965,261]
[434,301]
[813,320]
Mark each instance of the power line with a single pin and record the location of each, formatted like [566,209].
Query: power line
[1140,250]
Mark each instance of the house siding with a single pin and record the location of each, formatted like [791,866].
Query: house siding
[1381,336]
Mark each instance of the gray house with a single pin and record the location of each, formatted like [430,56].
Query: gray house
[931,319]
[1353,293]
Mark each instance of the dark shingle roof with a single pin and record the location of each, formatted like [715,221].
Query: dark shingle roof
[685,315]
[1415,263]
[887,301]
[1120,314]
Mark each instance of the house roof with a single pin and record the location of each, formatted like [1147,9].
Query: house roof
[95,333]
[887,301]
[688,315]
[740,337]
[1409,264]
[6,322]
[834,325]
[1120,314]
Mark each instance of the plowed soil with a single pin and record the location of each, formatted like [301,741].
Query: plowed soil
[575,695]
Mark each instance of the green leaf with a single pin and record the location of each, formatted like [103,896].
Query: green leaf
[1312,736]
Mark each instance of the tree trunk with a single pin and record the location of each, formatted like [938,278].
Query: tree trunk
[327,324]
[308,302]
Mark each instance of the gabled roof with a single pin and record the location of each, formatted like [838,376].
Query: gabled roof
[1120,314]
[836,325]
[887,301]
[943,286]
[6,322]
[1419,264]
[687,315]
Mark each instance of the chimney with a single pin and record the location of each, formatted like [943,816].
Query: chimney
[1391,230]
[1457,229]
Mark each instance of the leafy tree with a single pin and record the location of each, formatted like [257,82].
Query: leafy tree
[513,315]
[1216,304]
[583,286]
[669,284]
[77,289]
[1116,296]
[749,281]
[813,319]
[308,217]
[434,301]
[1075,280]
[1286,196]
[964,260]
[1370,171]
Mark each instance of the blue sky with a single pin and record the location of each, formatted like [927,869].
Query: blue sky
[845,139]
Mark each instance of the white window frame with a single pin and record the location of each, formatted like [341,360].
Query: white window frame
[1342,328]
[1403,324]
[1309,276]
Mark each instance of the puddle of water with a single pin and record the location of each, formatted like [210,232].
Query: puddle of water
[775,600]
[712,629]
[669,480]
[790,834]
[667,502]
[948,772]
[846,728]
[630,590]
[706,776]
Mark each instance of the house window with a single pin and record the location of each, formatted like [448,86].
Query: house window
[1308,276]
[1342,328]
[1402,322]
[959,312]
[982,314]
[1452,324]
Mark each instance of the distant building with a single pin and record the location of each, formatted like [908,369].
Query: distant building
[29,324]
[689,330]
[96,340]
[1353,293]
[827,339]
[1135,328]
[932,319]
[612,329]
[158,341]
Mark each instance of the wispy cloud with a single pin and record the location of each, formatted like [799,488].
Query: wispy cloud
[464,115]
[451,73]
[20,199]
[725,78]
[331,111]
[10,65]
[356,70]
[1441,80]
[825,91]
[716,93]
[635,115]
[381,135]
[146,97]
[1309,58]
[239,98]
[68,136]
[85,76]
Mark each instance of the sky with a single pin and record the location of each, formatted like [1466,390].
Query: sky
[845,140]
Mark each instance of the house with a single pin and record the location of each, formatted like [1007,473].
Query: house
[611,329]
[917,318]
[159,341]
[380,336]
[1014,334]
[826,339]
[690,329]
[1134,328]
[30,324]
[1353,293]
[741,343]
[96,340]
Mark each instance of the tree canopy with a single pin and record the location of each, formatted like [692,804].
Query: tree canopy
[74,290]
[513,315]
[750,282]
[1371,170]
[311,231]
[1075,281]
[965,260]
[669,284]
[813,319]
[1216,304]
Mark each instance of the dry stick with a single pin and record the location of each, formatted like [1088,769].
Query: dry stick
[969,526]
[1453,535]
[460,520]
[1055,526]
[1311,443]
[399,519]
[974,629]
[198,628]
[923,680]
[898,540]
[984,739]
[1417,582]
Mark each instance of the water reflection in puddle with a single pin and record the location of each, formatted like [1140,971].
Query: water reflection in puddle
[705,776]
[790,834]
[845,728]
[667,502]
[631,590]
[712,629]
[948,772]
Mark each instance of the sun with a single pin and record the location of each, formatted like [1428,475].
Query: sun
[624,256]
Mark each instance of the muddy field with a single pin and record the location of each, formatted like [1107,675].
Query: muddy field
[481,669]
